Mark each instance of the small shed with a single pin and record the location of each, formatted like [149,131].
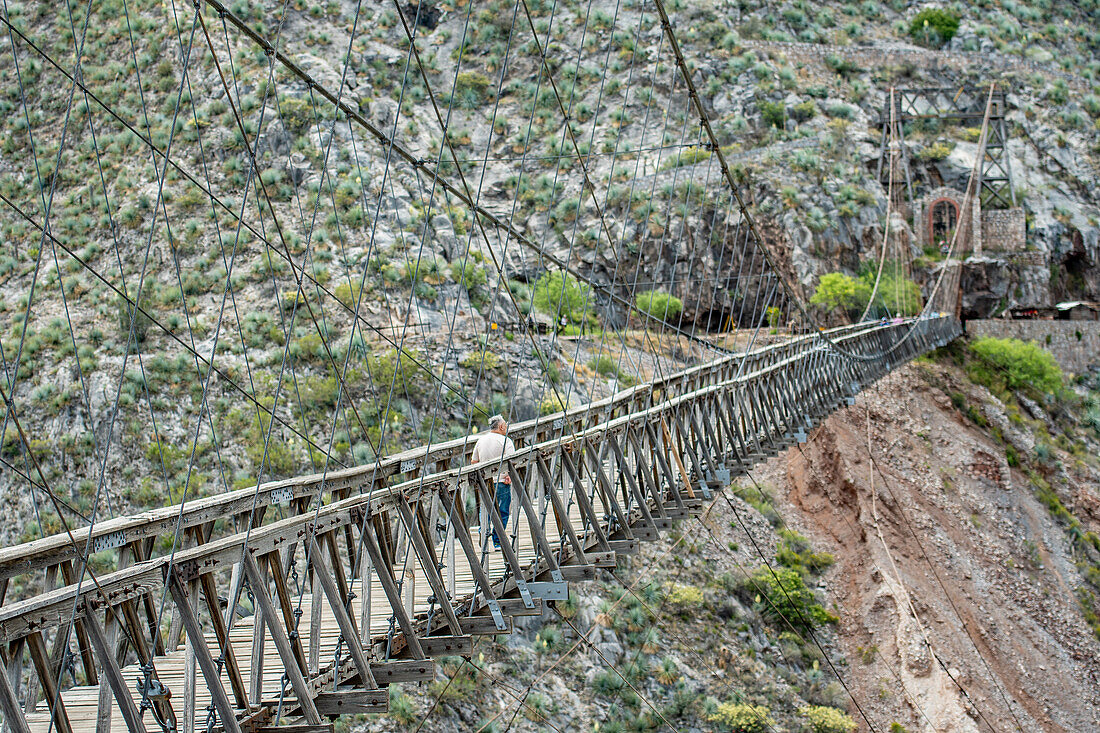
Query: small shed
[1077,310]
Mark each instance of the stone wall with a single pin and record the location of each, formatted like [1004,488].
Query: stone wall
[1074,344]
[869,57]
[1004,230]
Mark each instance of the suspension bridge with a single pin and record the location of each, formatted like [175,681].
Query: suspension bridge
[350,561]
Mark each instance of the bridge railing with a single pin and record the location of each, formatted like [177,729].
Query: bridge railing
[593,485]
[233,508]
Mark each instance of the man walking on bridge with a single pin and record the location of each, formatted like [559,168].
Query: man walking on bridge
[496,446]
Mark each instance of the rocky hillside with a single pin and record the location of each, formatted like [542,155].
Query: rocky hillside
[938,550]
[278,248]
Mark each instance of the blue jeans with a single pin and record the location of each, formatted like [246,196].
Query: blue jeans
[504,505]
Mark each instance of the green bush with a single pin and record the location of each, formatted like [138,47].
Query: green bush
[786,598]
[409,373]
[795,553]
[659,305]
[685,595]
[804,111]
[551,404]
[774,114]
[559,294]
[604,365]
[742,717]
[837,290]
[141,322]
[933,27]
[935,152]
[471,89]
[1013,364]
[896,295]
[823,719]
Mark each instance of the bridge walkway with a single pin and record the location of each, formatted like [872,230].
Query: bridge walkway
[588,483]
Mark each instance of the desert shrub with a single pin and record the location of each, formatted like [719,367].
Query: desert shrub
[841,65]
[471,89]
[408,373]
[349,293]
[604,365]
[774,114]
[402,709]
[685,595]
[277,460]
[933,27]
[474,278]
[804,111]
[481,361]
[1013,364]
[822,719]
[297,114]
[742,717]
[935,152]
[795,553]
[141,322]
[551,404]
[658,305]
[783,597]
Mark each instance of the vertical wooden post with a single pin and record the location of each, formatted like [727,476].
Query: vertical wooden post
[226,714]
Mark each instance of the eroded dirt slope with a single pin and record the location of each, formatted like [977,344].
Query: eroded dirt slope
[946,527]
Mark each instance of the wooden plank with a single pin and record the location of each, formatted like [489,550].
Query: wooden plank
[582,500]
[221,633]
[109,666]
[441,646]
[515,607]
[347,627]
[190,664]
[45,673]
[55,608]
[628,476]
[581,572]
[403,670]
[457,520]
[280,640]
[671,448]
[505,546]
[389,586]
[484,626]
[285,605]
[191,625]
[352,702]
[9,705]
[533,523]
[256,660]
[87,660]
[562,516]
[428,564]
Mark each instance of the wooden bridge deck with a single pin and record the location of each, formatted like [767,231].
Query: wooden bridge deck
[82,702]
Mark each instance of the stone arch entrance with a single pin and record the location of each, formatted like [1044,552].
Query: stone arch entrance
[943,217]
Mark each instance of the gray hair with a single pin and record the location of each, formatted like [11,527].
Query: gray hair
[495,422]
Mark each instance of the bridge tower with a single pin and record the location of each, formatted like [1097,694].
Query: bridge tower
[961,105]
